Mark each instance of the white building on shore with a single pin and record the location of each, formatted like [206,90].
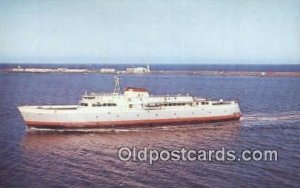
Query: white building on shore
[138,70]
[72,70]
[107,70]
[37,70]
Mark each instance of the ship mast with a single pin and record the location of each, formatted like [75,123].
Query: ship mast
[117,89]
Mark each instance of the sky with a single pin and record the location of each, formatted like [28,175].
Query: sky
[150,31]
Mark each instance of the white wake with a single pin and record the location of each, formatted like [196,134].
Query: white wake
[292,117]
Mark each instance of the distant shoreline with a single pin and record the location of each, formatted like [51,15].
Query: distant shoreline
[152,72]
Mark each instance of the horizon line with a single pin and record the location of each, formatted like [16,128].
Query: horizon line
[134,63]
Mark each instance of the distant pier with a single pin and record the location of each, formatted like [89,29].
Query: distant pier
[231,73]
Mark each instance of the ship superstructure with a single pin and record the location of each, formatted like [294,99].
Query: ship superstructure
[134,107]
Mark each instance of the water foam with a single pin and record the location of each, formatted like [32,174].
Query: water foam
[288,117]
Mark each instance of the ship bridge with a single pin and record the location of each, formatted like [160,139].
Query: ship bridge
[136,92]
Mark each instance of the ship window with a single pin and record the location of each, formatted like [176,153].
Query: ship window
[130,105]
[217,103]
[84,104]
[110,104]
[97,104]
[89,97]
[105,104]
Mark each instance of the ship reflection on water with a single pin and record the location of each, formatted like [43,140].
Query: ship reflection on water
[92,157]
[186,135]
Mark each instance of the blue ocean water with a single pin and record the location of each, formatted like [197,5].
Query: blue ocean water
[271,119]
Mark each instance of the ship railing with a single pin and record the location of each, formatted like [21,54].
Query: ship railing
[102,94]
[171,95]
[152,107]
[221,102]
[197,99]
[71,107]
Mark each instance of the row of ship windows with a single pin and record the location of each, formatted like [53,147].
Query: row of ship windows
[104,104]
[177,104]
[130,105]
[99,104]
[175,114]
[203,103]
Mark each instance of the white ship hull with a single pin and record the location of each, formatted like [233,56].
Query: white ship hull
[56,117]
[135,107]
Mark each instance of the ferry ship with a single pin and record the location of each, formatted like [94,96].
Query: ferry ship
[130,108]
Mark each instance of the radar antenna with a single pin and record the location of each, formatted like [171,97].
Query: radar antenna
[117,89]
